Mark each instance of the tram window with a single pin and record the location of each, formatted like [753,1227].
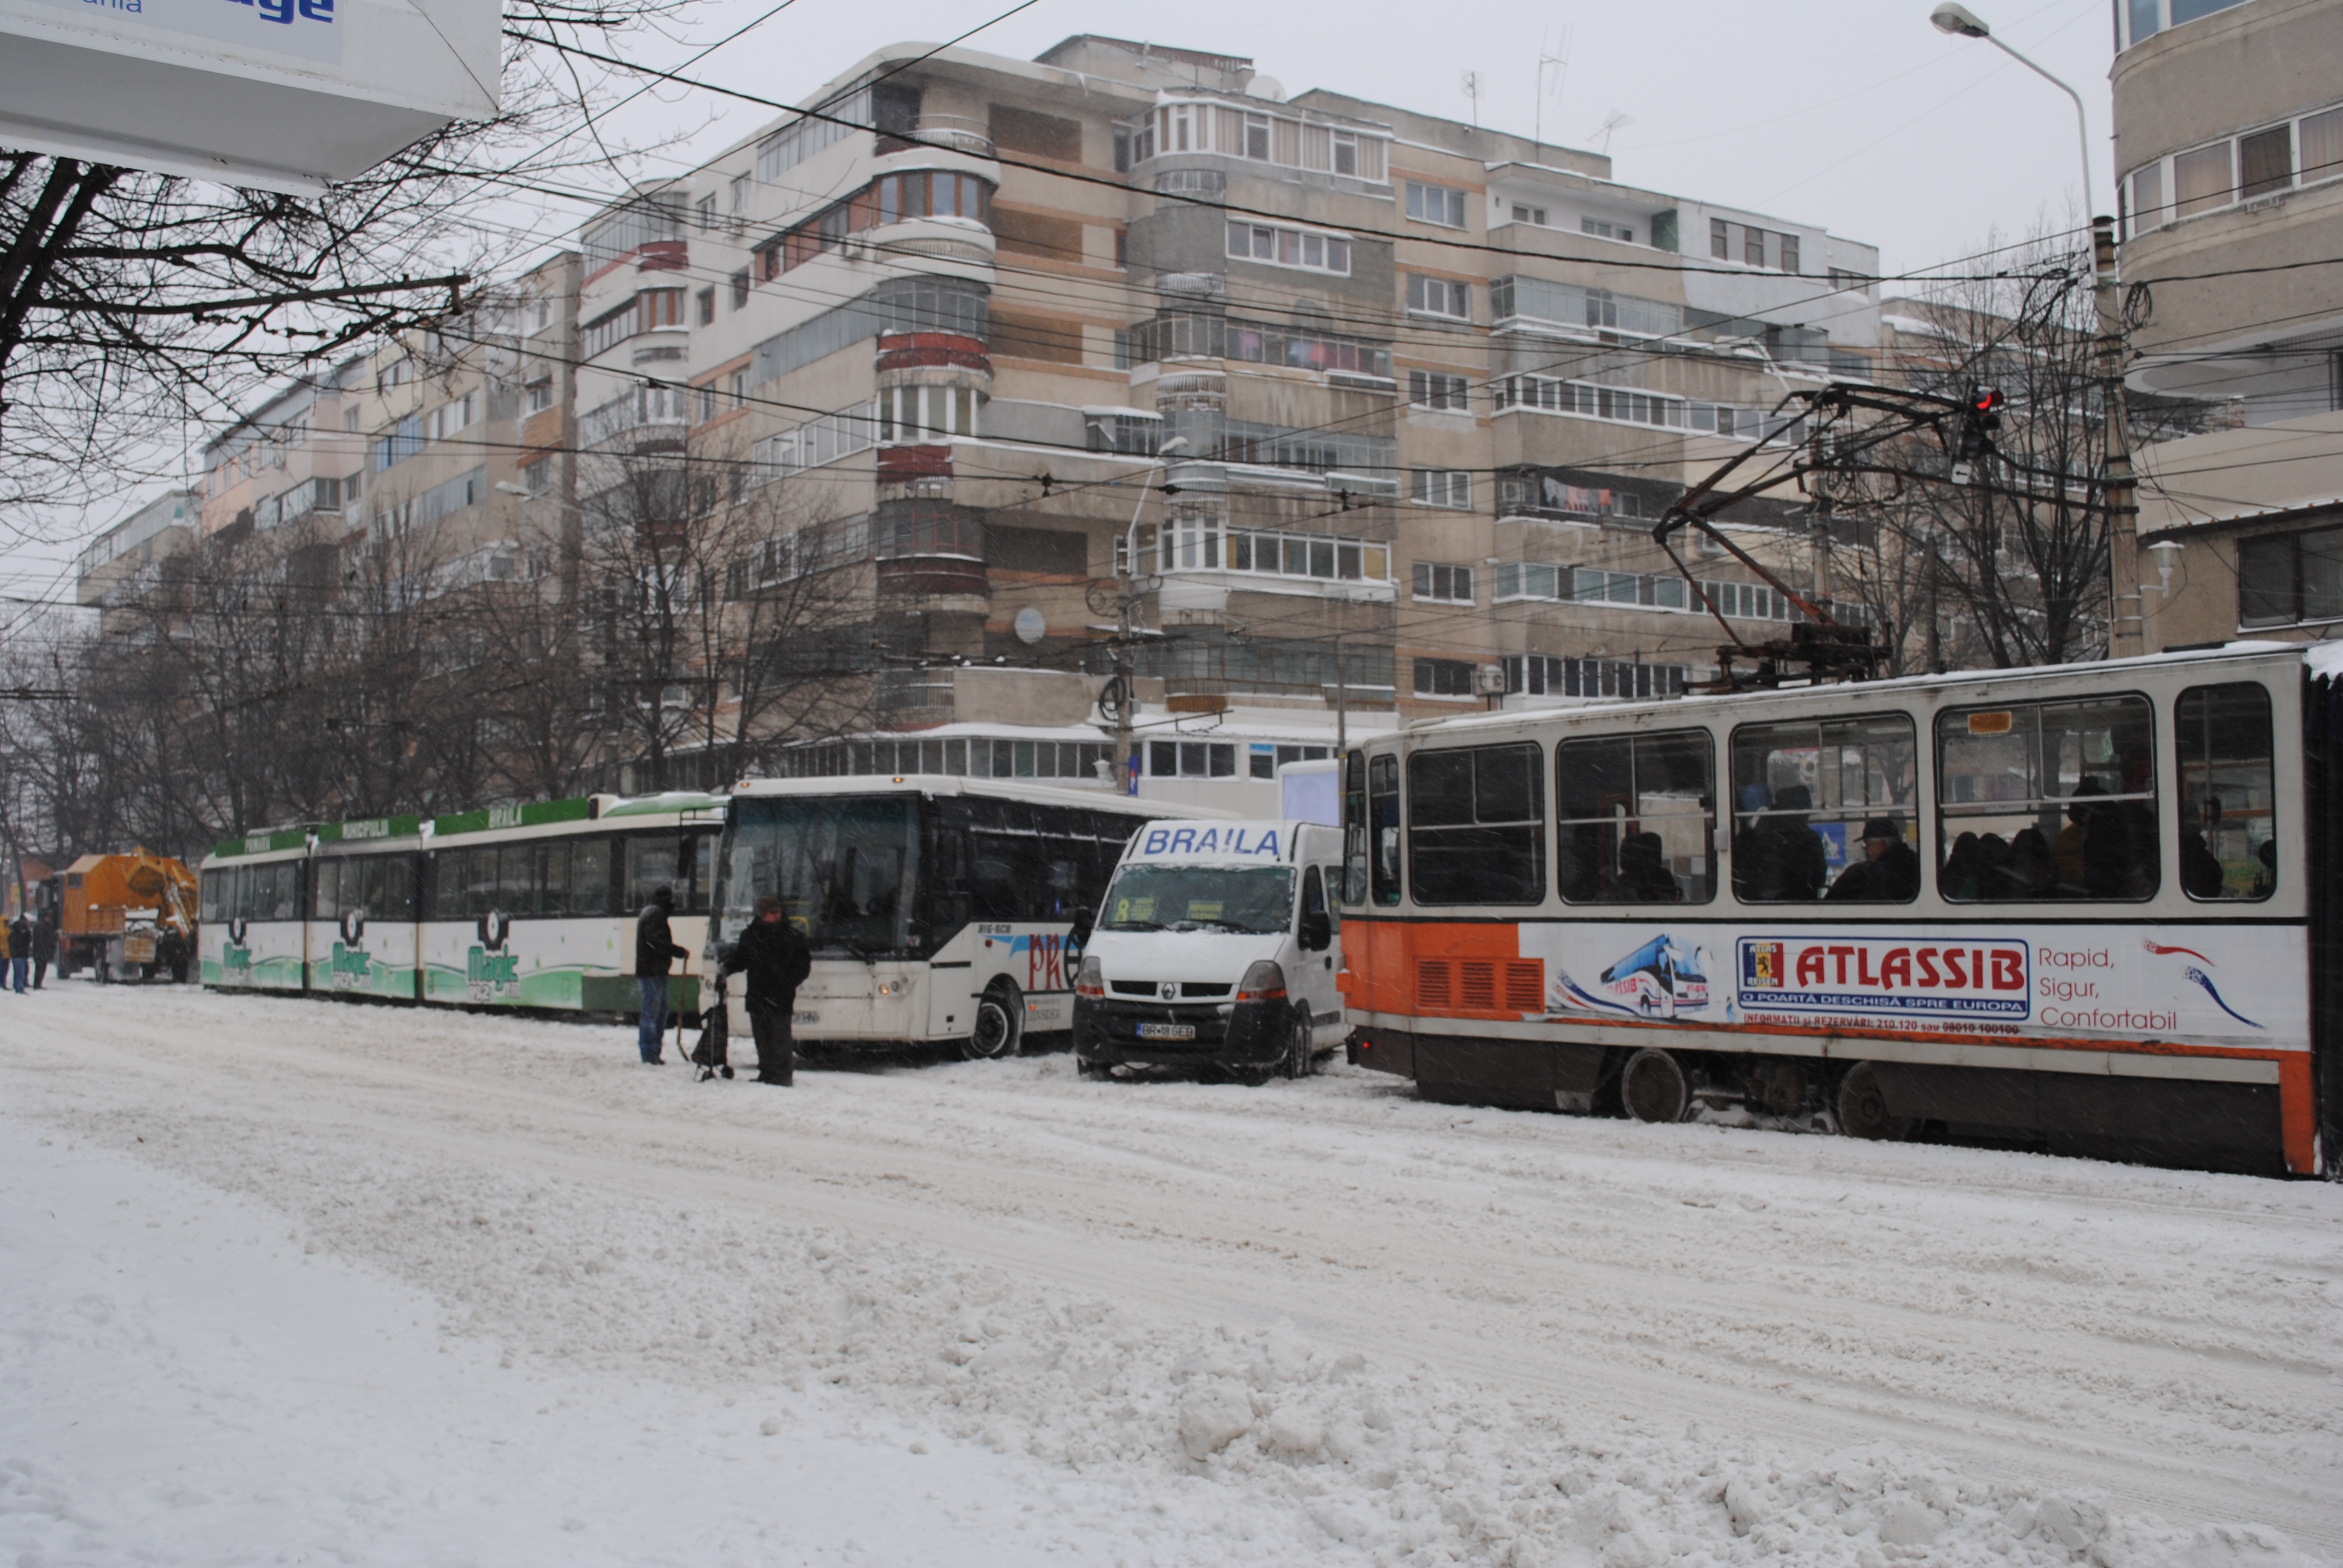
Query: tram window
[1476,825]
[2048,800]
[328,894]
[448,885]
[1638,819]
[214,895]
[1354,886]
[553,878]
[396,901]
[1383,814]
[1826,809]
[2228,820]
[516,878]
[590,877]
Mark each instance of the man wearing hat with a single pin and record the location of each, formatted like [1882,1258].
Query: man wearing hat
[1888,873]
[778,961]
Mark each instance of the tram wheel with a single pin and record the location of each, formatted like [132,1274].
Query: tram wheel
[999,1024]
[1863,1109]
[1654,1087]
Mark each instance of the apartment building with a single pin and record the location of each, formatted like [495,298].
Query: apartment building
[1360,414]
[112,568]
[2228,120]
[291,460]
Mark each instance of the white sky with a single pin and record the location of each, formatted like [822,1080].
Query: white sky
[1856,115]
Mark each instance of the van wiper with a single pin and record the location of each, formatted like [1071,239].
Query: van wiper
[1217,926]
[1133,926]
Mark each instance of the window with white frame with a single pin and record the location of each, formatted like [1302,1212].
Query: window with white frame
[1187,127]
[1589,400]
[536,479]
[1440,296]
[1191,759]
[1443,583]
[2247,167]
[1443,204]
[926,412]
[2144,19]
[540,394]
[708,213]
[1524,213]
[1757,248]
[1205,543]
[1280,246]
[1605,229]
[1441,486]
[1439,390]
[1540,675]
[451,417]
[812,444]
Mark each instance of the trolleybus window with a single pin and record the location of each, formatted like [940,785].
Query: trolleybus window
[1638,819]
[2228,848]
[1383,817]
[1476,825]
[2048,800]
[381,886]
[684,862]
[1826,808]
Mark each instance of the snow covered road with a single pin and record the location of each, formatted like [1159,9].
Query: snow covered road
[1166,1322]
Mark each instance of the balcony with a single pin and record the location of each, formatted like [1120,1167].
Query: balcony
[952,132]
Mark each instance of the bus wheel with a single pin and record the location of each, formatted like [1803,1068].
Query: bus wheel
[1863,1109]
[1654,1087]
[999,1024]
[1300,1059]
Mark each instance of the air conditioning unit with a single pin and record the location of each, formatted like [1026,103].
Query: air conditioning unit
[1489,681]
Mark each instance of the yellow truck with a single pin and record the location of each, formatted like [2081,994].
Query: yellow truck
[126,917]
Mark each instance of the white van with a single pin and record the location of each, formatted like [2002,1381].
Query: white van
[1217,949]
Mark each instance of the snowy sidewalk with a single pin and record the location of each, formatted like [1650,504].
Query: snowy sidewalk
[292,1280]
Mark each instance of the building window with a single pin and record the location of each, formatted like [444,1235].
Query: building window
[1536,675]
[1445,584]
[708,214]
[741,290]
[1191,759]
[1524,214]
[536,479]
[1440,296]
[540,395]
[1441,488]
[1753,246]
[1790,253]
[1284,247]
[1604,230]
[2259,164]
[1204,544]
[2283,578]
[1437,389]
[916,414]
[2201,180]
[648,311]
[1720,239]
[707,307]
[1444,678]
[1435,204]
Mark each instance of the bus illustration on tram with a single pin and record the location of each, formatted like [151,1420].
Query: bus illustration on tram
[2072,909]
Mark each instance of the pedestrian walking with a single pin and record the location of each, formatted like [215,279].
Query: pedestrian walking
[7,953]
[655,951]
[20,951]
[777,960]
[44,948]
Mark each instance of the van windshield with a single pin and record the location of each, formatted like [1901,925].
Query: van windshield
[1151,898]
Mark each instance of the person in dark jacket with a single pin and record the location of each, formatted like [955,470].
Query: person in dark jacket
[20,950]
[777,960]
[44,948]
[1888,873]
[655,951]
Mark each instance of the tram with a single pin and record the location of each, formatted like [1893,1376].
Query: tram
[2088,908]
[941,909]
[529,905]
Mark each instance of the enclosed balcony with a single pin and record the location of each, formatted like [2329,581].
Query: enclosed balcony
[929,549]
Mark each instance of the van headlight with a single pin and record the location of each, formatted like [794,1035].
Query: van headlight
[1091,980]
[1264,981]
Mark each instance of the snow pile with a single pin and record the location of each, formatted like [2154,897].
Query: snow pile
[1069,1422]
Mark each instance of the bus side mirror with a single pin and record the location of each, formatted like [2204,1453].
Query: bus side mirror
[1317,931]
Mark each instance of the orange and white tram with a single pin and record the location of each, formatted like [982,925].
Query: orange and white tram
[2091,907]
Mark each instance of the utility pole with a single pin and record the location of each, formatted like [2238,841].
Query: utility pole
[1342,703]
[2127,611]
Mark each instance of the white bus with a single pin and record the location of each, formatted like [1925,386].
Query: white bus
[939,908]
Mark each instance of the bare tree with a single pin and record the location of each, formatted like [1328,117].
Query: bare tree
[132,304]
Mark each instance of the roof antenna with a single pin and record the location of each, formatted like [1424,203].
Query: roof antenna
[1611,122]
[1560,65]
[1471,90]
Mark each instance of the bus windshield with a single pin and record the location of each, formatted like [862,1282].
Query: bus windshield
[842,868]
[1247,898]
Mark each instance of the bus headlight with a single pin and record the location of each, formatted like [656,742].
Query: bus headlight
[1092,981]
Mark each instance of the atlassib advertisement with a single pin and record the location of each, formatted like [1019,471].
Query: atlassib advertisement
[2209,984]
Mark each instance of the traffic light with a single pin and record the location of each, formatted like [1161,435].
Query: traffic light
[1980,417]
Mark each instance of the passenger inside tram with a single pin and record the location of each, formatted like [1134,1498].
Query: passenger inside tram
[1888,872]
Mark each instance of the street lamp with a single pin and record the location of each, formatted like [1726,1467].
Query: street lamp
[1963,23]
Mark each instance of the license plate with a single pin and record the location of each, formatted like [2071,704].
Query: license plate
[805,1018]
[1167,1031]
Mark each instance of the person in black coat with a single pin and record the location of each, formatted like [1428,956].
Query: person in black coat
[777,960]
[44,948]
[655,951]
[1889,871]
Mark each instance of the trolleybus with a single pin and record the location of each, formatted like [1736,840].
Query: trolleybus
[2090,908]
